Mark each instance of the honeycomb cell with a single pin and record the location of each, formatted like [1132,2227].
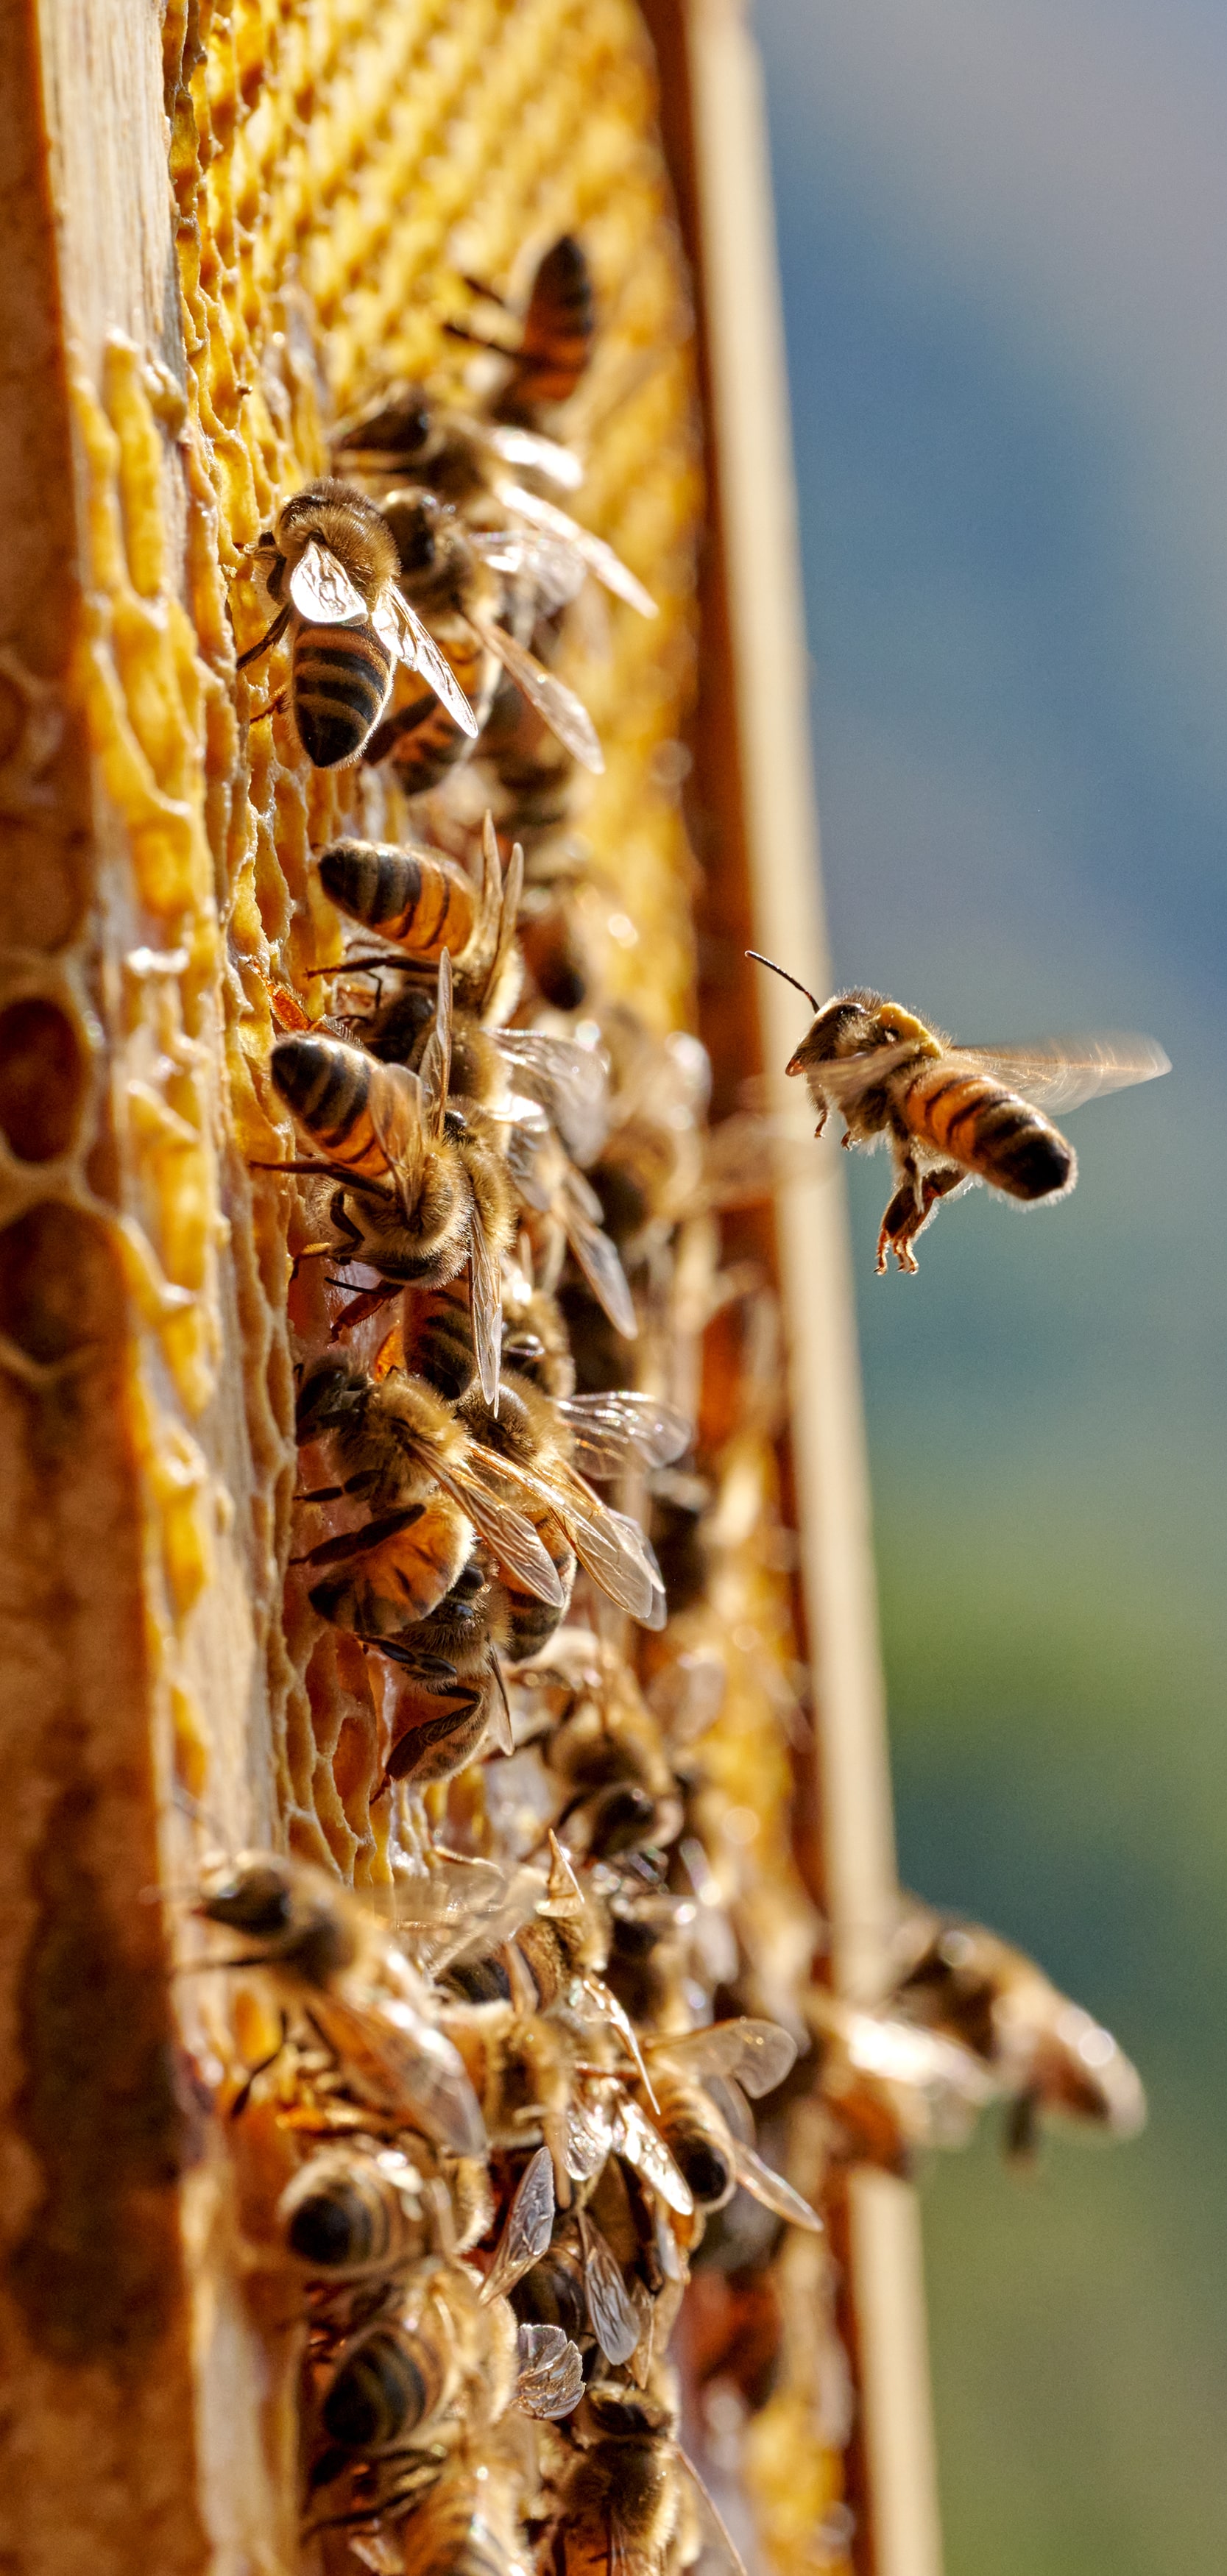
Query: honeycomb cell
[42,1078]
[60,1287]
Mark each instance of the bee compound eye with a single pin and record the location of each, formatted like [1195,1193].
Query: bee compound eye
[258,1901]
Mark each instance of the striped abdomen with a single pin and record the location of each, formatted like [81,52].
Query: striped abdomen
[450,2534]
[340,680]
[426,903]
[978,1123]
[386,2383]
[326,1086]
[345,2218]
[399,1579]
[557,335]
[419,737]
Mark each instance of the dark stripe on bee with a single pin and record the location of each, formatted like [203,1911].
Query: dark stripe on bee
[557,333]
[341,676]
[992,1132]
[401,894]
[389,2383]
[345,2221]
[326,1086]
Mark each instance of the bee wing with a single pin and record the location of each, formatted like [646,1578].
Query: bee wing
[608,1545]
[1064,1072]
[748,1157]
[536,455]
[615,2319]
[485,927]
[573,1082]
[608,1431]
[636,2139]
[322,591]
[526,2234]
[720,2555]
[557,706]
[771,2189]
[481,1487]
[397,1116]
[513,887]
[599,558]
[847,1078]
[589,2138]
[397,2060]
[756,2054]
[598,1259]
[416,646]
[435,1062]
[486,1305]
[551,2377]
[555,571]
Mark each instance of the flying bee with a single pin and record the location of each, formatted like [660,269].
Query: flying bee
[468,583]
[423,1189]
[329,570]
[556,335]
[709,2132]
[887,2088]
[629,2493]
[953,1115]
[535,1435]
[326,1956]
[1046,2053]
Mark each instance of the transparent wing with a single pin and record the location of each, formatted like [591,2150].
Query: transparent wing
[322,591]
[756,2054]
[537,455]
[435,1062]
[589,2138]
[487,1311]
[396,1106]
[482,1493]
[398,2061]
[513,887]
[615,2319]
[417,646]
[721,2555]
[608,1431]
[1062,1073]
[636,2139]
[526,2234]
[747,1157]
[598,1258]
[609,1546]
[555,571]
[551,2375]
[772,2190]
[501,1729]
[847,1078]
[485,928]
[557,706]
[571,1080]
[600,558]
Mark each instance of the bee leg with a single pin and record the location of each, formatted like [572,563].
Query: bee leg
[272,636]
[935,1185]
[243,2096]
[271,707]
[902,1220]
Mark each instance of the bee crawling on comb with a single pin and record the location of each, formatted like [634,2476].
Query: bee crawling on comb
[952,1115]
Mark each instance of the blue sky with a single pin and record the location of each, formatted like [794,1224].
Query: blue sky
[1003,235]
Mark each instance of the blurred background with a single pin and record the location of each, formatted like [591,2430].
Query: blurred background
[1004,238]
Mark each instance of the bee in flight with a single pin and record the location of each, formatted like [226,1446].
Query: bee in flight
[952,1114]
[556,334]
[330,569]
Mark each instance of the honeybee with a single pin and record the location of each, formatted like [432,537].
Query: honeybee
[576,2284]
[953,1115]
[534,1435]
[521,2067]
[1046,2053]
[423,1189]
[629,2492]
[604,1751]
[423,903]
[467,582]
[326,1955]
[701,2078]
[402,2374]
[351,2214]
[330,571]
[464,2521]
[551,2377]
[556,335]
[887,2088]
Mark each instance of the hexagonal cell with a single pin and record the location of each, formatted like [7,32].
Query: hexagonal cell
[42,1078]
[60,1283]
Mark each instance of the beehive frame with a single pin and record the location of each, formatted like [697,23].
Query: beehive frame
[147,1502]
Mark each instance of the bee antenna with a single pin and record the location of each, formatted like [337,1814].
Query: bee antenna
[760,960]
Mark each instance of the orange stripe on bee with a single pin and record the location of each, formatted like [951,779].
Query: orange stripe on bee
[944,1108]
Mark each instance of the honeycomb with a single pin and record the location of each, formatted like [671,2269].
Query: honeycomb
[337,174]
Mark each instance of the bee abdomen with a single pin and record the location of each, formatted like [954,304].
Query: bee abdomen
[340,2220]
[401,894]
[341,679]
[382,2388]
[326,1087]
[558,328]
[992,1132]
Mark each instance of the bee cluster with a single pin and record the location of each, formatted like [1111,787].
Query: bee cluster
[491,2119]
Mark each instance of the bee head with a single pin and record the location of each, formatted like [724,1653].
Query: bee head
[399,426]
[255,1897]
[426,531]
[331,1387]
[338,516]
